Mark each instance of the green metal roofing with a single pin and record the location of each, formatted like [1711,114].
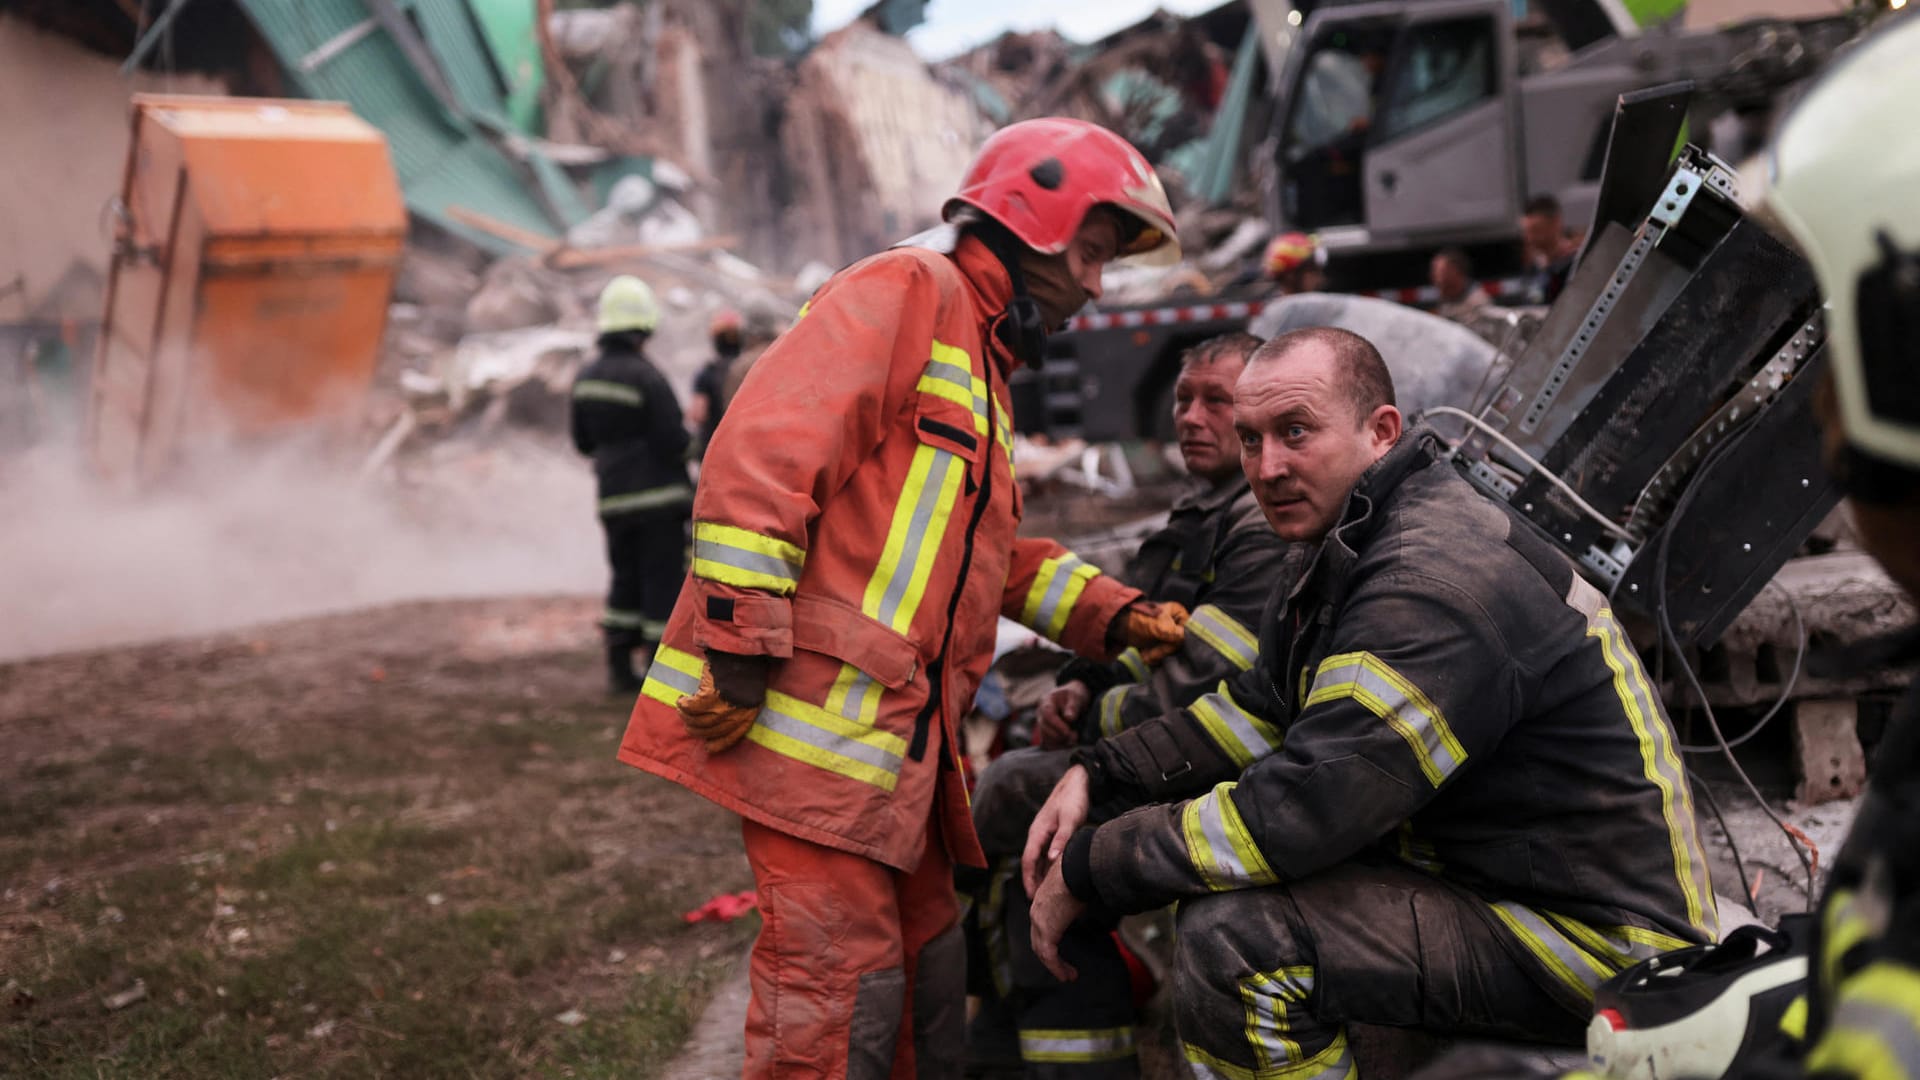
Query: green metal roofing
[443,158]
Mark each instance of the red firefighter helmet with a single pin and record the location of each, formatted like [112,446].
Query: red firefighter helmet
[1289,252]
[1040,177]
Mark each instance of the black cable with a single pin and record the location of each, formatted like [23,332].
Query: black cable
[1739,867]
[1786,692]
[1668,639]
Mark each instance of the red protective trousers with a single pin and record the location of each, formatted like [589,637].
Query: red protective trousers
[859,970]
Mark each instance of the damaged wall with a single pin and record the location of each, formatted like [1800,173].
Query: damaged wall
[875,145]
[64,163]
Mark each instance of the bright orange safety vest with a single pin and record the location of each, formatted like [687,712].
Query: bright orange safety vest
[855,518]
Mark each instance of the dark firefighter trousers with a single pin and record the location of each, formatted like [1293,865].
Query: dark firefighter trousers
[647,552]
[1264,980]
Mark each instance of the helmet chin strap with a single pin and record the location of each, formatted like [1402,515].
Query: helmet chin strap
[1024,329]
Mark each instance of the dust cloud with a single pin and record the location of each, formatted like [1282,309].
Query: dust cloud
[256,538]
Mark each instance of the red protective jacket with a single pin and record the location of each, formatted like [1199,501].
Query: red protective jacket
[856,518]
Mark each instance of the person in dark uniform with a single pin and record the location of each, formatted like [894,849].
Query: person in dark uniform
[709,387]
[626,418]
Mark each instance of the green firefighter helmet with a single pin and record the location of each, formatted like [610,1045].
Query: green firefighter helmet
[1841,180]
[628,304]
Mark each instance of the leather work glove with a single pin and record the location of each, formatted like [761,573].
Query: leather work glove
[732,689]
[1155,629]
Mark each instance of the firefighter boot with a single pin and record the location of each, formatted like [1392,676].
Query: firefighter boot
[621,678]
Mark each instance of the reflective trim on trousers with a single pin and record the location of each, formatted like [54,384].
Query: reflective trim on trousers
[1367,679]
[650,499]
[1267,996]
[1224,635]
[747,559]
[1661,763]
[1333,1063]
[1075,1045]
[1875,1031]
[1565,960]
[1222,851]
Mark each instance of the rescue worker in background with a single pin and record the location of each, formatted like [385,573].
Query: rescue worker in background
[1839,182]
[625,416]
[1461,297]
[1547,249]
[1218,558]
[1445,796]
[854,548]
[1294,262]
[709,402]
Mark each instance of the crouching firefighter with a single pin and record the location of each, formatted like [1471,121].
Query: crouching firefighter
[626,418]
[854,546]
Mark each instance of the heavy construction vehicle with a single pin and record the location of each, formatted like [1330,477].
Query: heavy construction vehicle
[1405,126]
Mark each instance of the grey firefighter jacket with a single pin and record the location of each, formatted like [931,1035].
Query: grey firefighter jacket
[1436,685]
[625,416]
[1217,557]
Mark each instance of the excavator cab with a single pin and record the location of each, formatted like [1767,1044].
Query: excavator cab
[1400,119]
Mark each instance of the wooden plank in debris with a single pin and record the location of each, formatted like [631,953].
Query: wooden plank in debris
[579,258]
[512,234]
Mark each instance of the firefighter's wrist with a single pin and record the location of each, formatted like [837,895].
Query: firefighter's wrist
[1076,868]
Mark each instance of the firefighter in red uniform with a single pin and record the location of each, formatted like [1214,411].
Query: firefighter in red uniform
[854,546]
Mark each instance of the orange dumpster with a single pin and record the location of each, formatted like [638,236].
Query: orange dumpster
[254,259]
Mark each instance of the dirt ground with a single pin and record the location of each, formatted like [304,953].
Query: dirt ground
[390,843]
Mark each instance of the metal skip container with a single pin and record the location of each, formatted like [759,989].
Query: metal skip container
[254,259]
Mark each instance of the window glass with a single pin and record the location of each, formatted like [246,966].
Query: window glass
[1444,68]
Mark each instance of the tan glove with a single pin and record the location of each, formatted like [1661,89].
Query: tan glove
[722,719]
[1155,629]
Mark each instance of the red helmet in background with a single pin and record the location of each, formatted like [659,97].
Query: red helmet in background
[725,321]
[1040,177]
[1289,252]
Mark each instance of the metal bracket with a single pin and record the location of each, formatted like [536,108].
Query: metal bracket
[1597,314]
[1484,474]
[1609,565]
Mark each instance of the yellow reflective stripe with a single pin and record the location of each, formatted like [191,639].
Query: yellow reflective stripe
[807,733]
[1056,588]
[949,375]
[1562,958]
[612,393]
[1224,635]
[1661,764]
[750,560]
[1333,1063]
[1135,664]
[1365,678]
[1842,925]
[941,388]
[1417,852]
[1111,721]
[673,675]
[1266,995]
[914,538]
[669,495]
[1075,1044]
[994,927]
[855,695]
[1793,1022]
[1240,734]
[1219,846]
[1875,1031]
[1652,940]
[804,308]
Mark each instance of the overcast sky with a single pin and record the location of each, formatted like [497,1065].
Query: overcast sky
[954,26]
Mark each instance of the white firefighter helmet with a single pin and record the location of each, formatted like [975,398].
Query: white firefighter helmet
[1841,179]
[628,304]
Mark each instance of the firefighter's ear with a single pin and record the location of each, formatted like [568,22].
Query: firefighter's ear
[1023,330]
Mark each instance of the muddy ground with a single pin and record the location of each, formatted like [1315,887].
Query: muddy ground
[390,843]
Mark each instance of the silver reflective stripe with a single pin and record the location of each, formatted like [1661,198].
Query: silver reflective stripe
[665,674]
[1241,734]
[1074,1044]
[1896,1030]
[742,559]
[1226,636]
[1567,961]
[1135,664]
[1361,674]
[1268,1028]
[1056,589]
[801,731]
[612,393]
[671,495]
[618,619]
[1227,870]
[925,505]
[857,692]
[1110,702]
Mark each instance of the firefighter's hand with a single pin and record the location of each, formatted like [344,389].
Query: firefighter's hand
[741,680]
[1053,910]
[1059,715]
[1065,811]
[714,720]
[1155,629]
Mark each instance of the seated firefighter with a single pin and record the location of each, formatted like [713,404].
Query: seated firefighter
[1444,797]
[1218,557]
